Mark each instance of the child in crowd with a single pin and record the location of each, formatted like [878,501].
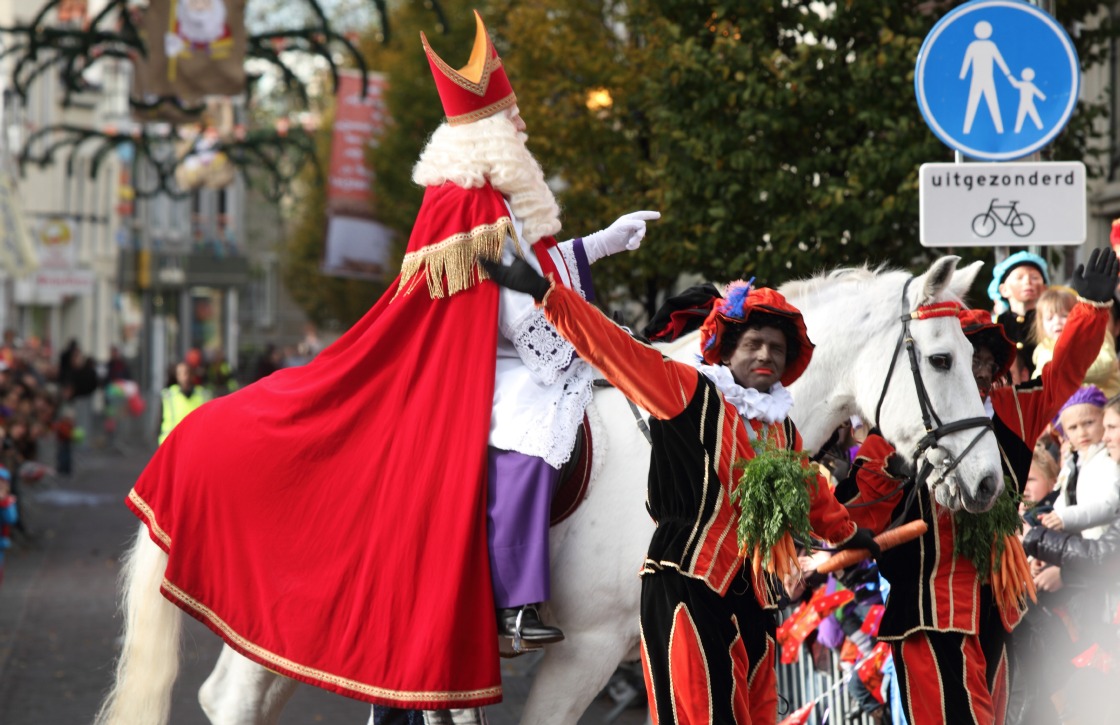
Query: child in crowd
[1089,483]
[1017,282]
[8,516]
[1052,310]
[1111,436]
[1038,491]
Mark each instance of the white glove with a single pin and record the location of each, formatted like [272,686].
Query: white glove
[626,233]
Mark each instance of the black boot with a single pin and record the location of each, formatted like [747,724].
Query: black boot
[531,630]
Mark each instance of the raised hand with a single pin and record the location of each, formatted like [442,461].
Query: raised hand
[1096,281]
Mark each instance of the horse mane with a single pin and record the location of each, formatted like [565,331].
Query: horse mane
[874,289]
[843,275]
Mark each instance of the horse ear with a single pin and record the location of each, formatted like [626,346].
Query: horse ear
[963,279]
[930,285]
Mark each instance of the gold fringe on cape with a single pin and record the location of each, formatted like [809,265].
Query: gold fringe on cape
[451,265]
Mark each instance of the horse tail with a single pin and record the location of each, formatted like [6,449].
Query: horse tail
[149,661]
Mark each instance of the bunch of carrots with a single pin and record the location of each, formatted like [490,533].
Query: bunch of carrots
[1011,576]
[781,561]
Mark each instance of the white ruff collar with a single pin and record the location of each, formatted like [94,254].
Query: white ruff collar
[751,404]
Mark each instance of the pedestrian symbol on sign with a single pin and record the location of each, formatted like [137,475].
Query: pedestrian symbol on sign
[978,60]
[979,57]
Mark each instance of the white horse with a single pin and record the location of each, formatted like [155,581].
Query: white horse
[854,318]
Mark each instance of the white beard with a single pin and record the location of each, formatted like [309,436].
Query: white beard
[201,27]
[492,150]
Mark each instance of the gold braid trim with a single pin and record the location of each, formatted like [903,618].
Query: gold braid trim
[277,663]
[451,265]
[149,518]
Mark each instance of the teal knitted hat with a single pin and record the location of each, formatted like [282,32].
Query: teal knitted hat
[999,274]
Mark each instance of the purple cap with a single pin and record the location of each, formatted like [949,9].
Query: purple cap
[1085,395]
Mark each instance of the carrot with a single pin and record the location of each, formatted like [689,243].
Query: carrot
[886,540]
[783,556]
[758,578]
[791,553]
[997,589]
[1011,577]
[1022,569]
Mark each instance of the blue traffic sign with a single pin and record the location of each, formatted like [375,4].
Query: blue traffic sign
[997,79]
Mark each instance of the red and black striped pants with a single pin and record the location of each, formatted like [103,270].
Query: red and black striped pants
[946,677]
[707,658]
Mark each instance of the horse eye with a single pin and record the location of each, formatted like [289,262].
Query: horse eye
[941,362]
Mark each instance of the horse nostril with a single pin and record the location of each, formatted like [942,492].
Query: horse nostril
[987,488]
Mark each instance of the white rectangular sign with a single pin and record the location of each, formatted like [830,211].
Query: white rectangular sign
[1005,204]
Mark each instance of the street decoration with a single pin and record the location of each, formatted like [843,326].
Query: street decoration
[181,50]
[195,48]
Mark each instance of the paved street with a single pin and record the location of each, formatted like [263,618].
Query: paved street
[58,624]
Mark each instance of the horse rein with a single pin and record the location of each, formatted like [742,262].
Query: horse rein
[929,415]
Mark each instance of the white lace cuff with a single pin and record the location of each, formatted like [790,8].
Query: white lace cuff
[545,353]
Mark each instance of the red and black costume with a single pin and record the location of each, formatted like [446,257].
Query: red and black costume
[948,637]
[707,642]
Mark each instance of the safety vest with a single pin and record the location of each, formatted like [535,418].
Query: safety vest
[176,406]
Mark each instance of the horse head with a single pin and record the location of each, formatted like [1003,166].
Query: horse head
[890,348]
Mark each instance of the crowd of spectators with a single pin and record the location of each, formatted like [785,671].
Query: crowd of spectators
[54,404]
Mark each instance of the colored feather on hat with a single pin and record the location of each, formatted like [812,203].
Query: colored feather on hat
[736,299]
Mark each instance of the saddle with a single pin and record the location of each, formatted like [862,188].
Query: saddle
[574,477]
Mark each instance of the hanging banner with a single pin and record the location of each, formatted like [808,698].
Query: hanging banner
[358,124]
[56,238]
[196,48]
[17,251]
[58,276]
[356,245]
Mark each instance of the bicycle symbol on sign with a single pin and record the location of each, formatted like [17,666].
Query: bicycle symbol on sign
[984,225]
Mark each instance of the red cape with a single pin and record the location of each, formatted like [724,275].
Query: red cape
[329,521]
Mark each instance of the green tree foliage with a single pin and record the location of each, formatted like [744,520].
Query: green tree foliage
[786,137]
[777,137]
[558,56]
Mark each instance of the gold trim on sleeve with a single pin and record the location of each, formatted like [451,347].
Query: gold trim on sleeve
[451,265]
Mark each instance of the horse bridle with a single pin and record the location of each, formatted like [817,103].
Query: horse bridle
[934,433]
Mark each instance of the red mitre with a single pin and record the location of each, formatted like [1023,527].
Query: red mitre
[736,308]
[477,90]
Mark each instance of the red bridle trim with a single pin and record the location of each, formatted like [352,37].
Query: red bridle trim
[938,309]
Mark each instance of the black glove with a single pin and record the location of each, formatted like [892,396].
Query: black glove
[862,539]
[1096,281]
[519,277]
[1032,539]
